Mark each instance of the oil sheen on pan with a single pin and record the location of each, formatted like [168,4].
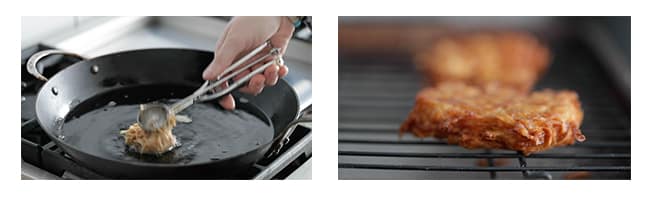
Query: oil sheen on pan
[213,134]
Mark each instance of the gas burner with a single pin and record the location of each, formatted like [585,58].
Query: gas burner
[43,158]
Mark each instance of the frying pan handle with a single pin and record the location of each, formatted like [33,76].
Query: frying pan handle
[303,117]
[33,60]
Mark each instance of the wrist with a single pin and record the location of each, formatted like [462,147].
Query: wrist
[296,21]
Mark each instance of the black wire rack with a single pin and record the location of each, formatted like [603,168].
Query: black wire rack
[376,94]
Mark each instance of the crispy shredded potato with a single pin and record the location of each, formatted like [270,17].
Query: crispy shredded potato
[156,142]
[511,59]
[496,117]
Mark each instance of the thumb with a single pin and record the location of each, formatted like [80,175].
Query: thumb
[223,56]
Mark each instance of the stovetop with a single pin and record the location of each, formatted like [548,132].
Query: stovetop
[42,159]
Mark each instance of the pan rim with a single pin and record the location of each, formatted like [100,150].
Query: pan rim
[51,135]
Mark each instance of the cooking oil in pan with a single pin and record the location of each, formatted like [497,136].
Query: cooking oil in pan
[213,134]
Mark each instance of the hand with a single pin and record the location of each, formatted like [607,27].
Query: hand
[243,34]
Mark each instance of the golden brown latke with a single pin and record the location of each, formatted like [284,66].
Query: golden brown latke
[496,117]
[511,59]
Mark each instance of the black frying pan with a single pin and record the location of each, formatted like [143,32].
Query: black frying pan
[83,107]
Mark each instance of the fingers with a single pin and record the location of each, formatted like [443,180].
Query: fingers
[255,85]
[227,101]
[280,39]
[283,71]
[241,34]
[271,75]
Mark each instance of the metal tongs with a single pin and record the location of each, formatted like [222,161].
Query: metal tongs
[153,117]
